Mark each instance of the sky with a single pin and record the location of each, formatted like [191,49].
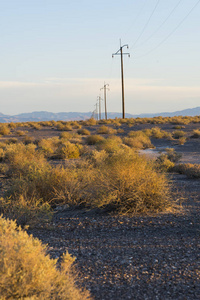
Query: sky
[56,55]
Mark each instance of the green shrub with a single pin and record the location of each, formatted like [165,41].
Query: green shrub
[27,272]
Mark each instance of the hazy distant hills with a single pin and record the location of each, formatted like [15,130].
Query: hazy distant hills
[68,116]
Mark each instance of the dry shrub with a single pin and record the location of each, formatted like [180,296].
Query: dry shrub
[111,144]
[24,160]
[195,134]
[94,139]
[4,129]
[27,272]
[12,125]
[90,122]
[103,129]
[29,212]
[137,140]
[35,125]
[83,131]
[127,183]
[178,134]
[67,150]
[28,140]
[21,132]
[120,130]
[65,135]
[48,146]
[166,161]
[157,133]
[191,170]
[179,127]
[63,126]
[182,140]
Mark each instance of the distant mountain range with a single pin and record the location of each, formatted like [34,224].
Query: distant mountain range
[69,116]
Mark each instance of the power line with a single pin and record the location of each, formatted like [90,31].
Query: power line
[146,24]
[161,25]
[140,12]
[172,32]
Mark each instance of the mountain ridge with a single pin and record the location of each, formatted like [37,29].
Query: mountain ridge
[37,116]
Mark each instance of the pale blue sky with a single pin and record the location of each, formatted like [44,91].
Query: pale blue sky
[55,55]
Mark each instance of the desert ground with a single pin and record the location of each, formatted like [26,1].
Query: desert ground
[141,256]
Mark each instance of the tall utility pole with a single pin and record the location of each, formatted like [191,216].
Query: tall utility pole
[120,52]
[105,88]
[99,99]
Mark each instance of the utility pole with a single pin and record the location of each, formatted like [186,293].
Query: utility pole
[105,88]
[120,52]
[96,110]
[99,99]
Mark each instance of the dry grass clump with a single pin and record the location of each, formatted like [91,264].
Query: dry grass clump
[90,122]
[94,139]
[106,130]
[65,135]
[177,134]
[182,140]
[191,170]
[21,132]
[179,127]
[83,131]
[26,211]
[27,272]
[120,130]
[28,140]
[23,160]
[67,150]
[48,146]
[4,129]
[127,183]
[111,144]
[64,127]
[35,125]
[137,140]
[157,133]
[166,161]
[195,134]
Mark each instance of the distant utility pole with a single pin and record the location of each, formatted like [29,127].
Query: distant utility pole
[120,52]
[105,88]
[96,110]
[99,99]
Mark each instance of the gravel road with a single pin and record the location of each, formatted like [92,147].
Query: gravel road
[140,257]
